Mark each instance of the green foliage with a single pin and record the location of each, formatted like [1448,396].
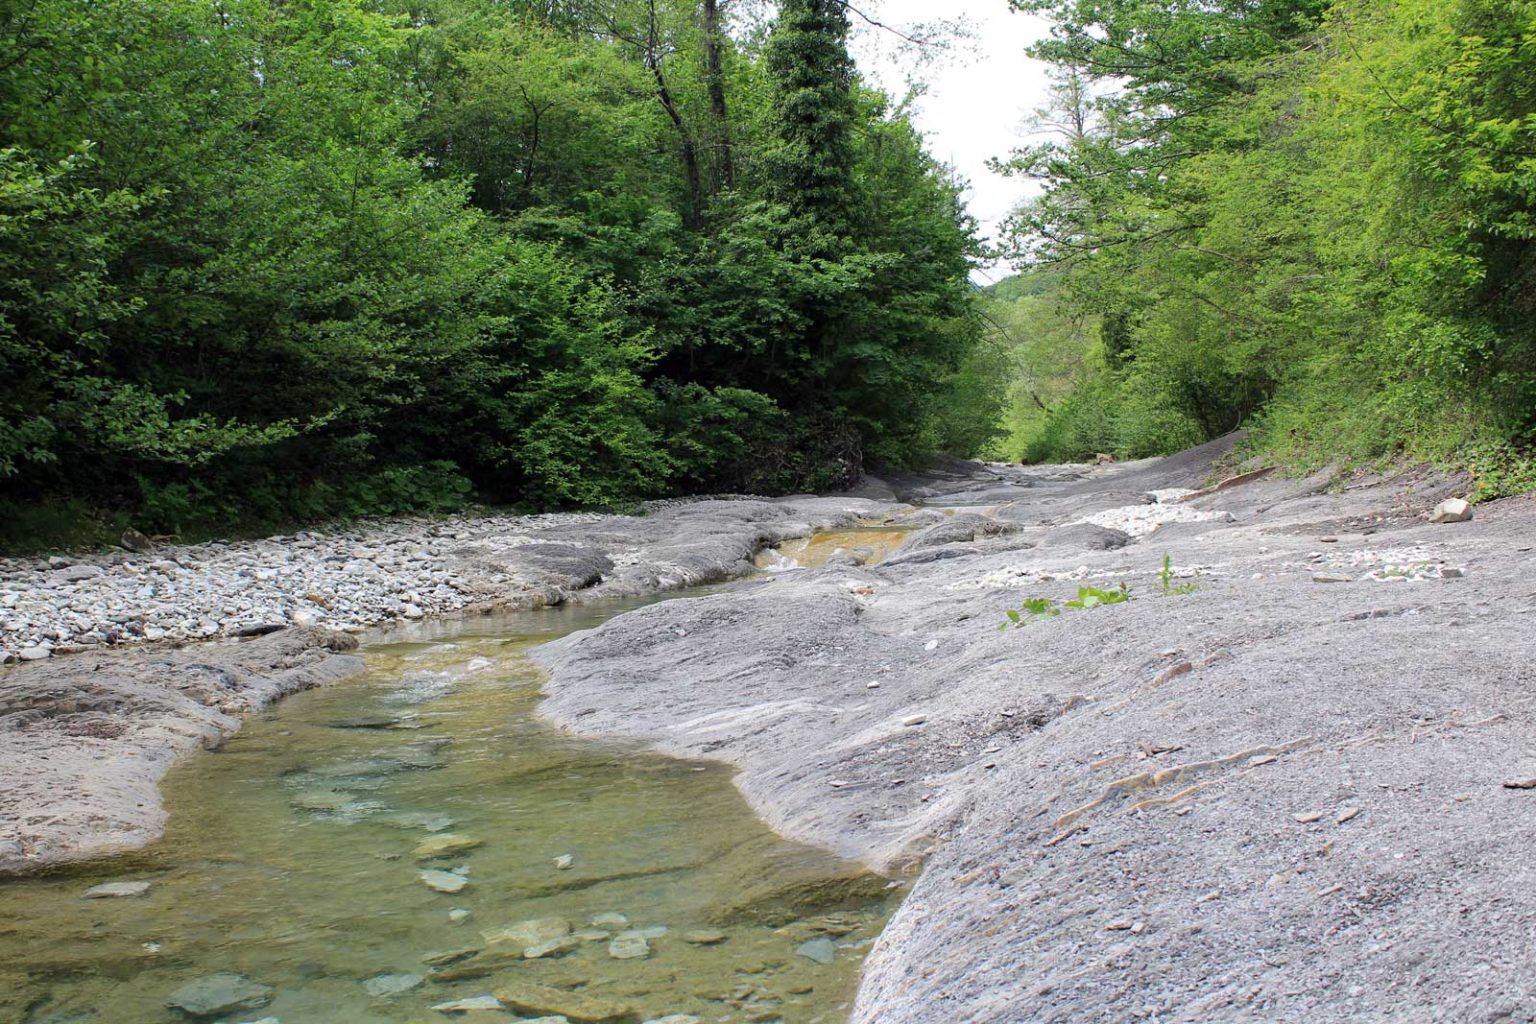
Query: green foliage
[1313,219]
[268,261]
[1035,608]
[1093,597]
[1087,599]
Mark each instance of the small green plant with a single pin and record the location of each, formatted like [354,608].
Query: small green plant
[1165,579]
[1036,607]
[1093,597]
[1045,608]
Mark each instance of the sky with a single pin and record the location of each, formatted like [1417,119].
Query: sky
[976,101]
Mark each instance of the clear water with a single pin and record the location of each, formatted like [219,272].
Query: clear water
[870,544]
[291,858]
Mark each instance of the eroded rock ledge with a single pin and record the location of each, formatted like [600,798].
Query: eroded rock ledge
[1291,794]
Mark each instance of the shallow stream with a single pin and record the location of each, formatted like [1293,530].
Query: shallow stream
[303,857]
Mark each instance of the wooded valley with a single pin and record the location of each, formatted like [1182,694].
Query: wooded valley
[1311,219]
[271,261]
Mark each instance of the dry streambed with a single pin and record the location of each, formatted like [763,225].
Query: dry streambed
[1288,779]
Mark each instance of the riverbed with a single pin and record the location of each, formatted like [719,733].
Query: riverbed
[307,856]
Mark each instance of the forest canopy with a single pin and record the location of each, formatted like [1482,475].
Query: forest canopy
[273,260]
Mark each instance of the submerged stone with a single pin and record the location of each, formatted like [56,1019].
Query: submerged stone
[629,947]
[608,920]
[384,985]
[820,950]
[538,999]
[220,993]
[445,845]
[528,933]
[442,881]
[552,948]
[110,890]
[472,1003]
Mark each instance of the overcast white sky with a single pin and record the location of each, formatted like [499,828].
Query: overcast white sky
[975,102]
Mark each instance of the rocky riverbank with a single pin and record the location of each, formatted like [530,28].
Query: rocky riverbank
[110,692]
[385,572]
[1289,779]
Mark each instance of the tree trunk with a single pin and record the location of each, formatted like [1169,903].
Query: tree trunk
[716,78]
[690,149]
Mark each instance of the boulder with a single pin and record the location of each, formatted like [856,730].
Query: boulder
[1452,510]
[136,542]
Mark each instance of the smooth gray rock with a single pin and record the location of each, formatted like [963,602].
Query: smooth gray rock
[1452,510]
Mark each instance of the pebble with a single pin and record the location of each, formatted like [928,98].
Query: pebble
[564,862]
[704,937]
[914,720]
[349,580]
[1330,577]
[1347,814]
[1308,817]
[458,914]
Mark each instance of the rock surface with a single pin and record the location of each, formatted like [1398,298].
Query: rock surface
[1259,799]
[1102,803]
[85,739]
